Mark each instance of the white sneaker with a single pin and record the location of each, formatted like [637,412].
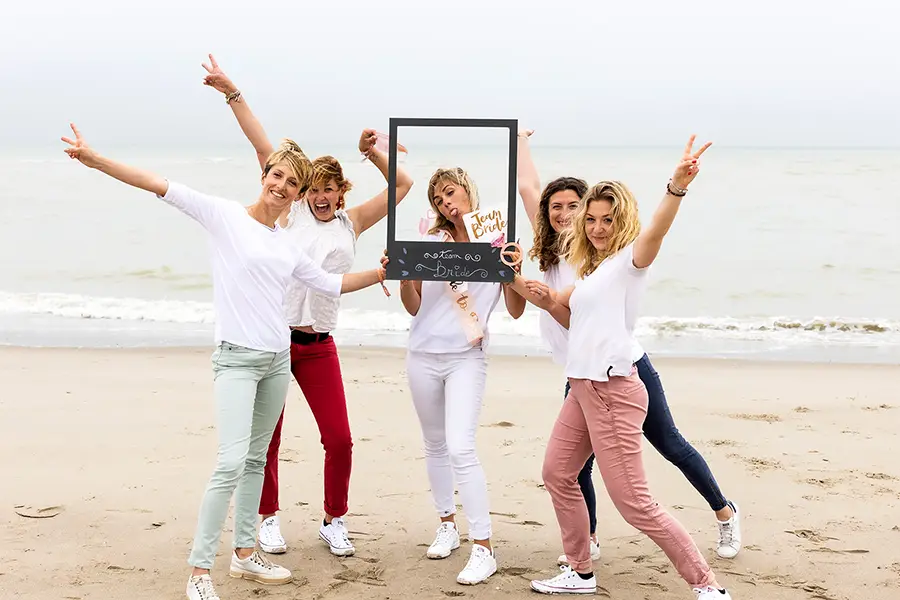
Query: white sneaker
[335,535]
[711,593]
[567,582]
[730,534]
[595,554]
[481,565]
[200,587]
[446,540]
[270,538]
[258,568]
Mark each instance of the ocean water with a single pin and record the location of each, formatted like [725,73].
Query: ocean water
[775,254]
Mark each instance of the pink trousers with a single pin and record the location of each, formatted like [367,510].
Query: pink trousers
[606,417]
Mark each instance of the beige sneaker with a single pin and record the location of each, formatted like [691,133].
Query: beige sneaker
[258,568]
[200,587]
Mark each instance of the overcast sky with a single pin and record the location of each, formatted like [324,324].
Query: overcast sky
[765,73]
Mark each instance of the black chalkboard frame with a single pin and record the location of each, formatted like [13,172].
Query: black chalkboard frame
[450,261]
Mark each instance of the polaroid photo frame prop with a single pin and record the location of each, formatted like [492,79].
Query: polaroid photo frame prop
[491,230]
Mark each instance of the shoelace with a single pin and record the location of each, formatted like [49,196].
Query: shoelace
[476,559]
[205,588]
[726,533]
[342,531]
[444,535]
[261,560]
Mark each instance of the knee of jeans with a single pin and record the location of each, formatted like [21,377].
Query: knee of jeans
[230,467]
[637,510]
[462,453]
[341,445]
[672,446]
[253,465]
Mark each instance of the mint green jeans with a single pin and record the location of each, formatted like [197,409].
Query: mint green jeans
[250,390]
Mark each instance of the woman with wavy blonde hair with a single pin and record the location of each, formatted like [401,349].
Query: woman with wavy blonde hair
[320,223]
[605,409]
[551,212]
[447,369]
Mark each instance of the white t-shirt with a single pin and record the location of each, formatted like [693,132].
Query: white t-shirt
[559,277]
[438,327]
[251,265]
[332,245]
[604,308]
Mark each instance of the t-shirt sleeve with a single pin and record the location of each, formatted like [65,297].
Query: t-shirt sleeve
[317,278]
[204,209]
[628,262]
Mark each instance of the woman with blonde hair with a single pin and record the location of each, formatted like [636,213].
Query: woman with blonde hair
[253,263]
[605,409]
[321,225]
[550,212]
[447,369]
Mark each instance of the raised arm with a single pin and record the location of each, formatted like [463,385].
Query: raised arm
[373,210]
[527,177]
[248,122]
[648,243]
[145,180]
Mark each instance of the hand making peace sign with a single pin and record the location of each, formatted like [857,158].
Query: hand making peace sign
[689,166]
[216,78]
[79,150]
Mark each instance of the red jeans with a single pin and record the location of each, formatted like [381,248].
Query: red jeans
[318,372]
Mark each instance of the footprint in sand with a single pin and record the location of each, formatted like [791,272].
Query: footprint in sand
[758,464]
[768,418]
[722,443]
[811,535]
[881,476]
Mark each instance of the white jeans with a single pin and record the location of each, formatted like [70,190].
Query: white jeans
[447,391]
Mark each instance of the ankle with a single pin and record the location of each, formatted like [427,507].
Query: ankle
[484,543]
[449,519]
[725,514]
[243,553]
[197,572]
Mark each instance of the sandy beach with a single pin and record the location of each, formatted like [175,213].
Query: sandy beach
[113,449]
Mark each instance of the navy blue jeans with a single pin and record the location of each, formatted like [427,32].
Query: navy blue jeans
[660,431]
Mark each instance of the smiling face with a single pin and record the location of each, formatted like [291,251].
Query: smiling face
[561,207]
[328,187]
[324,199]
[281,186]
[598,223]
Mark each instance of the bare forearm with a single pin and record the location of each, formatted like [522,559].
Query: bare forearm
[518,284]
[649,242]
[410,297]
[529,182]
[353,282]
[133,176]
[252,128]
[515,302]
[560,313]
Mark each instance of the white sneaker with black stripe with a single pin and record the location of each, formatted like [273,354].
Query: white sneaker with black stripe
[567,582]
[335,534]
